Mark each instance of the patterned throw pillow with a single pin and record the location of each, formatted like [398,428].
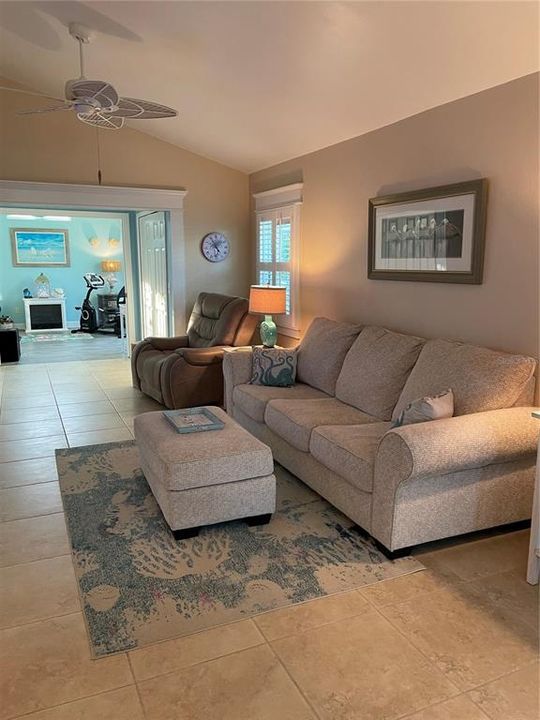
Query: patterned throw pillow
[427,408]
[273,366]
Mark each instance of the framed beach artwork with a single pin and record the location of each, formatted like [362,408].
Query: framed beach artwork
[433,235]
[35,248]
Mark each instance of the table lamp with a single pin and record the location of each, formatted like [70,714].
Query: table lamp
[267,300]
[110,267]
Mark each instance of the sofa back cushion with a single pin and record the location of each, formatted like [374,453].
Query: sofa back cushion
[481,379]
[322,351]
[375,370]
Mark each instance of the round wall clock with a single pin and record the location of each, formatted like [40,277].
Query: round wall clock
[215,247]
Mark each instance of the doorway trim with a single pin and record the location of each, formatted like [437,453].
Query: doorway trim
[109,197]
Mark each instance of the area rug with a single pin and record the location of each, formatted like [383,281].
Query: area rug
[54,337]
[139,586]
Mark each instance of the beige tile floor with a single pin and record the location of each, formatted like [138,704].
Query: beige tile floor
[456,642]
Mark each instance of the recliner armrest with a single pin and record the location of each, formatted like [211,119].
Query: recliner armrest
[163,343]
[202,356]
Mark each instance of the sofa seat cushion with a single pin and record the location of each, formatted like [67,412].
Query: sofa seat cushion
[349,450]
[252,399]
[322,351]
[149,364]
[481,379]
[375,370]
[294,420]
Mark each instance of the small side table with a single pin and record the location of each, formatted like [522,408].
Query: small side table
[533,567]
[10,345]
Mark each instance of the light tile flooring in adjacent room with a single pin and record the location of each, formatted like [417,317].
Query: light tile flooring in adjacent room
[455,642]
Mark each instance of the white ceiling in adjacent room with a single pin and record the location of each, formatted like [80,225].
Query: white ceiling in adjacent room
[256,83]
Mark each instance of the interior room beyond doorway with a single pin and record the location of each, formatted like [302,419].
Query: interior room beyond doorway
[50,261]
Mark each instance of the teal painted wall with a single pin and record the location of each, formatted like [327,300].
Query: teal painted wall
[89,244]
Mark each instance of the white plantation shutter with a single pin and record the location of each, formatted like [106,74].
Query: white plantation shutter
[278,244]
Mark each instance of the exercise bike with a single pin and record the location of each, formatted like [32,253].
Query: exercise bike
[89,322]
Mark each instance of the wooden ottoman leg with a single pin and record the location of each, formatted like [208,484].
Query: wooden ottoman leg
[259,519]
[186,533]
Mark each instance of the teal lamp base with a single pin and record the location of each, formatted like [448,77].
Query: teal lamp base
[268,331]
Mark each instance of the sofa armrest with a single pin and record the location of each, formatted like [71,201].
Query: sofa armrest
[164,343]
[202,356]
[458,443]
[236,371]
[431,450]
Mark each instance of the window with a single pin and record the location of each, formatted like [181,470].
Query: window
[278,244]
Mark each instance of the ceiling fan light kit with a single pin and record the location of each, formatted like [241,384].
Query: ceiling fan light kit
[96,102]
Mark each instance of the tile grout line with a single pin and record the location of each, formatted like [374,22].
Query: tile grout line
[40,620]
[438,704]
[192,665]
[291,678]
[43,619]
[38,457]
[33,713]
[274,652]
[467,693]
[137,689]
[57,408]
[460,690]
[30,517]
[303,604]
[432,592]
[29,562]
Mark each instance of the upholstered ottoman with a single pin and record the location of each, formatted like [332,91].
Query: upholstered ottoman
[203,478]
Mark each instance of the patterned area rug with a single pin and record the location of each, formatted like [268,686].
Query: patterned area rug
[54,337]
[138,586]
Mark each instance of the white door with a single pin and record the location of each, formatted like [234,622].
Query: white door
[154,287]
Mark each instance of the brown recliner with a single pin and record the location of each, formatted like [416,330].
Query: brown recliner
[186,371]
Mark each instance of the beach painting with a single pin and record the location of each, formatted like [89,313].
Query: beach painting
[37,248]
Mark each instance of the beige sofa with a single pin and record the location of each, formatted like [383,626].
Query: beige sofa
[405,485]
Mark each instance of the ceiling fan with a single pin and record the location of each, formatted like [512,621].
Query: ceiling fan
[96,102]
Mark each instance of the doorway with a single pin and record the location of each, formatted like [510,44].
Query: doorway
[126,200]
[47,259]
[154,285]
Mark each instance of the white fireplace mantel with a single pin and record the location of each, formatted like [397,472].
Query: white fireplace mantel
[29,302]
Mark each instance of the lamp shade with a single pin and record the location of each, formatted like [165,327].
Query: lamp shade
[267,299]
[111,266]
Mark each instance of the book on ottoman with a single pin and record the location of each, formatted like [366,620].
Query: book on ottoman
[197,419]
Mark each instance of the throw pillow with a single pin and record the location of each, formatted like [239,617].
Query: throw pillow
[273,366]
[427,408]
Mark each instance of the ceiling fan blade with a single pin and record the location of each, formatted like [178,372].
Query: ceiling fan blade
[99,120]
[38,111]
[142,109]
[99,90]
[29,92]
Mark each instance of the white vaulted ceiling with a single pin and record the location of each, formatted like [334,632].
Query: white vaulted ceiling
[256,83]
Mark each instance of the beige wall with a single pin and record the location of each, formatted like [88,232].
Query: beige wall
[493,134]
[57,148]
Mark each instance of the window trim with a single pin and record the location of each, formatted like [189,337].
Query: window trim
[273,202]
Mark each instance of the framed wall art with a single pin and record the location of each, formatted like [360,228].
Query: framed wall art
[433,235]
[36,248]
